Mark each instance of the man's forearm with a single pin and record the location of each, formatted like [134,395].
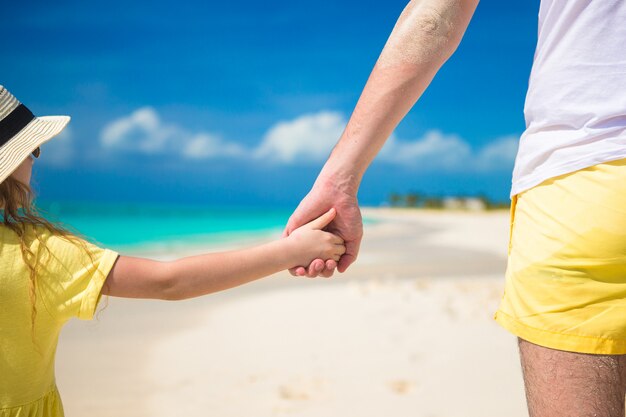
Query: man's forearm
[425,36]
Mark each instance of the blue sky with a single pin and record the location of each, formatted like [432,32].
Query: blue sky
[239,102]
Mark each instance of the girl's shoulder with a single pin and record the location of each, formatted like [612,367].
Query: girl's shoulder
[36,236]
[30,232]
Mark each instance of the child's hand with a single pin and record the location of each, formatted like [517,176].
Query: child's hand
[311,242]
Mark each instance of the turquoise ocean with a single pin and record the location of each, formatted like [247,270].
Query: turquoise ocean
[130,226]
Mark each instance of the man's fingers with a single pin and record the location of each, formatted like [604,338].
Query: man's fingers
[298,271]
[323,221]
[345,261]
[329,269]
[352,250]
[315,268]
[323,269]
[330,264]
[327,273]
[292,224]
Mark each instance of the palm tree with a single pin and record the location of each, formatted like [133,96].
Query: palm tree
[395,199]
[413,199]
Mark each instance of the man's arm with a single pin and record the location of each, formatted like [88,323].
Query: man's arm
[426,34]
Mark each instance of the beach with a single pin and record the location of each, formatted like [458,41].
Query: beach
[407,331]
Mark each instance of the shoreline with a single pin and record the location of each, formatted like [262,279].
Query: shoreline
[403,330]
[196,244]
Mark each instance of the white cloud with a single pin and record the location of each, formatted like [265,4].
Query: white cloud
[205,145]
[433,151]
[498,155]
[141,131]
[58,151]
[308,138]
[437,151]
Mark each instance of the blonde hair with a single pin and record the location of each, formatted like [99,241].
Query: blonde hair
[23,217]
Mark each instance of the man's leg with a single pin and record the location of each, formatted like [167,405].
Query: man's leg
[567,384]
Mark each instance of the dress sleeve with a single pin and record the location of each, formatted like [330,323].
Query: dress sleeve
[72,275]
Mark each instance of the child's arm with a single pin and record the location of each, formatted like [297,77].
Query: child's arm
[203,274]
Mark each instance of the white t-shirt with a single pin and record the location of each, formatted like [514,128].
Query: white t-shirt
[575,107]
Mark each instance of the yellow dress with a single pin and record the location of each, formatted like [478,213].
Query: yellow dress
[68,285]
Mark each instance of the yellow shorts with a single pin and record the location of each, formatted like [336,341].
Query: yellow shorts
[566,273]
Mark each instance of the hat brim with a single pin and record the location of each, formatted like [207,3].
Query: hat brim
[19,147]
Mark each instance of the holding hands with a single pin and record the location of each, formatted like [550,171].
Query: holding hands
[310,241]
[346,224]
[424,37]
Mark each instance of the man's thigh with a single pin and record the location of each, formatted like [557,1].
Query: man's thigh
[568,384]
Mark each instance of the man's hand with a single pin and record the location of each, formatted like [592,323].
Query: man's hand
[347,224]
[424,37]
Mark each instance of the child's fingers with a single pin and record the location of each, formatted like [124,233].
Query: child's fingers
[322,221]
[337,240]
[337,251]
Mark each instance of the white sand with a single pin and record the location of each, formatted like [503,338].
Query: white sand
[407,331]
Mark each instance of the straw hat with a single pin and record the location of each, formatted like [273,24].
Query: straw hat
[21,132]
